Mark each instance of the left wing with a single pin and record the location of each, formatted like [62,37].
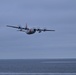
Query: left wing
[43,30]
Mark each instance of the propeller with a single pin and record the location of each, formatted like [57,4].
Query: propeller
[19,27]
[44,29]
[39,30]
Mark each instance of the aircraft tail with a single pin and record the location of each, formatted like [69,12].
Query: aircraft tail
[26,26]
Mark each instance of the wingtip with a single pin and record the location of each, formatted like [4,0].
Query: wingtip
[7,25]
[52,30]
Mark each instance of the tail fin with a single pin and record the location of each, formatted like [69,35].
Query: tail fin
[26,26]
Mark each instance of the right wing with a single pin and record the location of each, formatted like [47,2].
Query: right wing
[18,27]
[14,26]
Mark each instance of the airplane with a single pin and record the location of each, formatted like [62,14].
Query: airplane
[29,30]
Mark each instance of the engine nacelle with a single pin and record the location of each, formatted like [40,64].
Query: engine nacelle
[39,31]
[44,30]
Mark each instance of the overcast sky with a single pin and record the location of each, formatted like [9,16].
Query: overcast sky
[51,14]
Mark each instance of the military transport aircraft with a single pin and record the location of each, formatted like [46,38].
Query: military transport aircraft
[29,30]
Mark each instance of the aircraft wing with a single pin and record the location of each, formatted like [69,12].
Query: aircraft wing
[44,30]
[47,30]
[12,26]
[18,27]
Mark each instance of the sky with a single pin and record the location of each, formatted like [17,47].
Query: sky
[59,15]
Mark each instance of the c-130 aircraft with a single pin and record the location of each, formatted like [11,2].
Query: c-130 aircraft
[29,30]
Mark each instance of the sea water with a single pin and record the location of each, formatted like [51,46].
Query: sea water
[38,67]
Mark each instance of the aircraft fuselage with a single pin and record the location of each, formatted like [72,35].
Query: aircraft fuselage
[30,31]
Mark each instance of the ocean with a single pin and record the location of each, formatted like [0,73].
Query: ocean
[37,66]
